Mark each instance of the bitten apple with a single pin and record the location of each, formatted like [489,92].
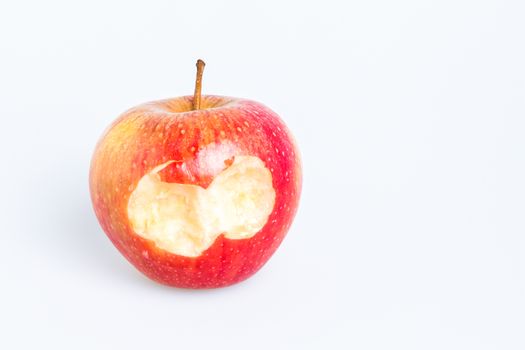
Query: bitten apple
[196,191]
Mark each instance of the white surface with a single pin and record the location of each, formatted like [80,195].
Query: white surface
[411,119]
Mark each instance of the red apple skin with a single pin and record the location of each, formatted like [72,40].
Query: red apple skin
[157,132]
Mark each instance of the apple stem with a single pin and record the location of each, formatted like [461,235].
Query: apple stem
[198,85]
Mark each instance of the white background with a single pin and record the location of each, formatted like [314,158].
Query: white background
[410,116]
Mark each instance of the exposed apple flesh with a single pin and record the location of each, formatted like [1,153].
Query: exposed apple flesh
[186,219]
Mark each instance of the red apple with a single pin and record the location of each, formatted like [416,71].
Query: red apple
[196,192]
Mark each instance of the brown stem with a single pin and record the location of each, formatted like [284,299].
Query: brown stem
[198,85]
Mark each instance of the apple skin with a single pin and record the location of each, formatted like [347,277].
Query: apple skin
[202,141]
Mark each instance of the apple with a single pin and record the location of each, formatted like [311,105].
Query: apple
[196,191]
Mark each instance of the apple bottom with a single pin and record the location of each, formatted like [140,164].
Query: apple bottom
[225,263]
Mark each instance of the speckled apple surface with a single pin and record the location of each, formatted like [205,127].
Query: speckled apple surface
[199,145]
